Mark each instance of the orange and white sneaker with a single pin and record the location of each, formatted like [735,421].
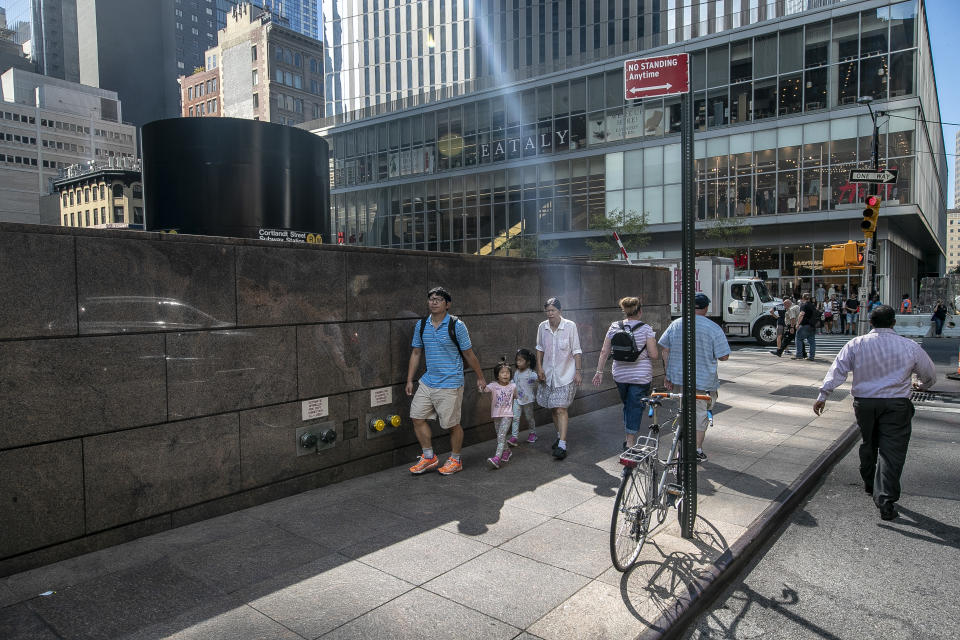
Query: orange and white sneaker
[451,467]
[425,464]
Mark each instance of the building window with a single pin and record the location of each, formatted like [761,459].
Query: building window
[103,192]
[297,60]
[65,204]
[278,54]
[256,101]
[253,52]
[65,219]
[254,77]
[191,112]
[86,215]
[137,191]
[86,195]
[118,214]
[72,223]
[189,93]
[71,198]
[94,193]
[138,215]
[118,191]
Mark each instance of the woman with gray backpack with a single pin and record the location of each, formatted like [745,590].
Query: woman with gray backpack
[633,345]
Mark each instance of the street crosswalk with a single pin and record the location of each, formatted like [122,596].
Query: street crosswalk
[828,346]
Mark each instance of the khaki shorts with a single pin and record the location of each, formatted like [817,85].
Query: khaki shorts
[443,404]
[702,405]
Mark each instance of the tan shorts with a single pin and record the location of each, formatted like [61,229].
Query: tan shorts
[443,404]
[702,405]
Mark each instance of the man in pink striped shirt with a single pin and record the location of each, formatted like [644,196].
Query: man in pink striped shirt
[883,364]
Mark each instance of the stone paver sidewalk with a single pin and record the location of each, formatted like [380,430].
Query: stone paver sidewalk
[517,553]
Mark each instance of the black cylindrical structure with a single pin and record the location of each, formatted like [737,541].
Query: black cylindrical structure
[234,177]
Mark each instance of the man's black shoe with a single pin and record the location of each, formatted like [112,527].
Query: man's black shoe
[887,512]
[776,353]
[556,443]
[559,453]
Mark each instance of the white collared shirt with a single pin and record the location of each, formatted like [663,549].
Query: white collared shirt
[558,349]
[882,363]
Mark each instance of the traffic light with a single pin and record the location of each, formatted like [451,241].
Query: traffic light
[870,216]
[840,257]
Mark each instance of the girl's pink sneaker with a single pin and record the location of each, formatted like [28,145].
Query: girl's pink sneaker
[494,462]
[505,456]
[512,441]
[531,438]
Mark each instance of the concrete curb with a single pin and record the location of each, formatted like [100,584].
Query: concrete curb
[703,590]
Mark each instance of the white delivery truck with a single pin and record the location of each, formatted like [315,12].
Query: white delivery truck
[740,305]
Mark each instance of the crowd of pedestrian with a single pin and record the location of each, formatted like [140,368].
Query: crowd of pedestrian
[549,376]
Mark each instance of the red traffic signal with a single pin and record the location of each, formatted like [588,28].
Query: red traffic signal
[871,215]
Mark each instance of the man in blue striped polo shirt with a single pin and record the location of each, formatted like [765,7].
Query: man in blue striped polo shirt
[440,393]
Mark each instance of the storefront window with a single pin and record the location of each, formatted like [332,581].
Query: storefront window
[903,25]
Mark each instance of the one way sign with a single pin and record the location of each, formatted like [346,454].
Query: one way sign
[887,176]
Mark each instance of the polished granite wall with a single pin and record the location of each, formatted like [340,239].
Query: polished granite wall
[150,380]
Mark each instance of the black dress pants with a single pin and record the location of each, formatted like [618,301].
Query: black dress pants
[885,428]
[785,341]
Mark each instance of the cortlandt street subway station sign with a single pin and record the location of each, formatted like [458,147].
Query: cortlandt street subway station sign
[658,76]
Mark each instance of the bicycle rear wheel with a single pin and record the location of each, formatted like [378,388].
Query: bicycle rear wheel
[631,515]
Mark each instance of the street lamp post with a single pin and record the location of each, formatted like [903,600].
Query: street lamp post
[866,286]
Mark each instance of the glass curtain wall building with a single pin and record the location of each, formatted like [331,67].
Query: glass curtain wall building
[303,16]
[538,161]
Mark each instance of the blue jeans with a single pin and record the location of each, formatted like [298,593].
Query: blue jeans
[938,326]
[805,334]
[631,395]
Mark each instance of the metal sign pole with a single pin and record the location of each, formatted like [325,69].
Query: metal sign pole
[688,457]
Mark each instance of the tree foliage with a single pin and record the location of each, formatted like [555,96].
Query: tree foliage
[631,226]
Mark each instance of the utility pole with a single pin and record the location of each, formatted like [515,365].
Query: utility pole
[866,287]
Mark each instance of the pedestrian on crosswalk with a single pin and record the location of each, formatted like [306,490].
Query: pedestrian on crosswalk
[882,363]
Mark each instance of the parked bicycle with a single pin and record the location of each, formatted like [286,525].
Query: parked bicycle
[650,485]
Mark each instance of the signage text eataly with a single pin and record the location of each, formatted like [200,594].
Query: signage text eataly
[535,143]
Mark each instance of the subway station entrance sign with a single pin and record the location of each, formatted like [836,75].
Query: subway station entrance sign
[658,76]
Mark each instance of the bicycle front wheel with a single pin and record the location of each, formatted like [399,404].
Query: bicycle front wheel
[631,515]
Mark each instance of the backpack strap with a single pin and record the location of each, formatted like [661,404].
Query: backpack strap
[452,329]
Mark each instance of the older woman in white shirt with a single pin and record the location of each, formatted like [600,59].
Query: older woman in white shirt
[559,363]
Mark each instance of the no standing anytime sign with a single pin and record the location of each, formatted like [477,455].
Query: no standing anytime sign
[659,76]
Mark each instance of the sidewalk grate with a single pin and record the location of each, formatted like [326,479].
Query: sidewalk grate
[800,391]
[936,397]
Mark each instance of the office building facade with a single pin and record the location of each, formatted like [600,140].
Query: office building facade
[953,239]
[46,31]
[529,141]
[47,125]
[259,70]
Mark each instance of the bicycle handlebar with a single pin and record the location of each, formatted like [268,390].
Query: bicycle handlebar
[677,396]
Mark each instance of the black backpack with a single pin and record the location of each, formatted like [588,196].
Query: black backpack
[451,326]
[623,344]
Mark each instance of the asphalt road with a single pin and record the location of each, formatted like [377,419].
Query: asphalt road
[835,570]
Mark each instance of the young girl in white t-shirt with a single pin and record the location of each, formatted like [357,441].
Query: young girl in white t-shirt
[525,377]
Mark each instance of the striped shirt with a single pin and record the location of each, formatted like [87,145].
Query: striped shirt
[711,344]
[444,364]
[882,363]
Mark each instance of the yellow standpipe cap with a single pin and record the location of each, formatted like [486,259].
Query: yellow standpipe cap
[395,420]
[378,424]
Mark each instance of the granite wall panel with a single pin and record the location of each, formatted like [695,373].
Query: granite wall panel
[197,415]
[466,278]
[41,496]
[64,388]
[298,286]
[386,285]
[335,358]
[135,474]
[269,443]
[140,285]
[215,371]
[38,285]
